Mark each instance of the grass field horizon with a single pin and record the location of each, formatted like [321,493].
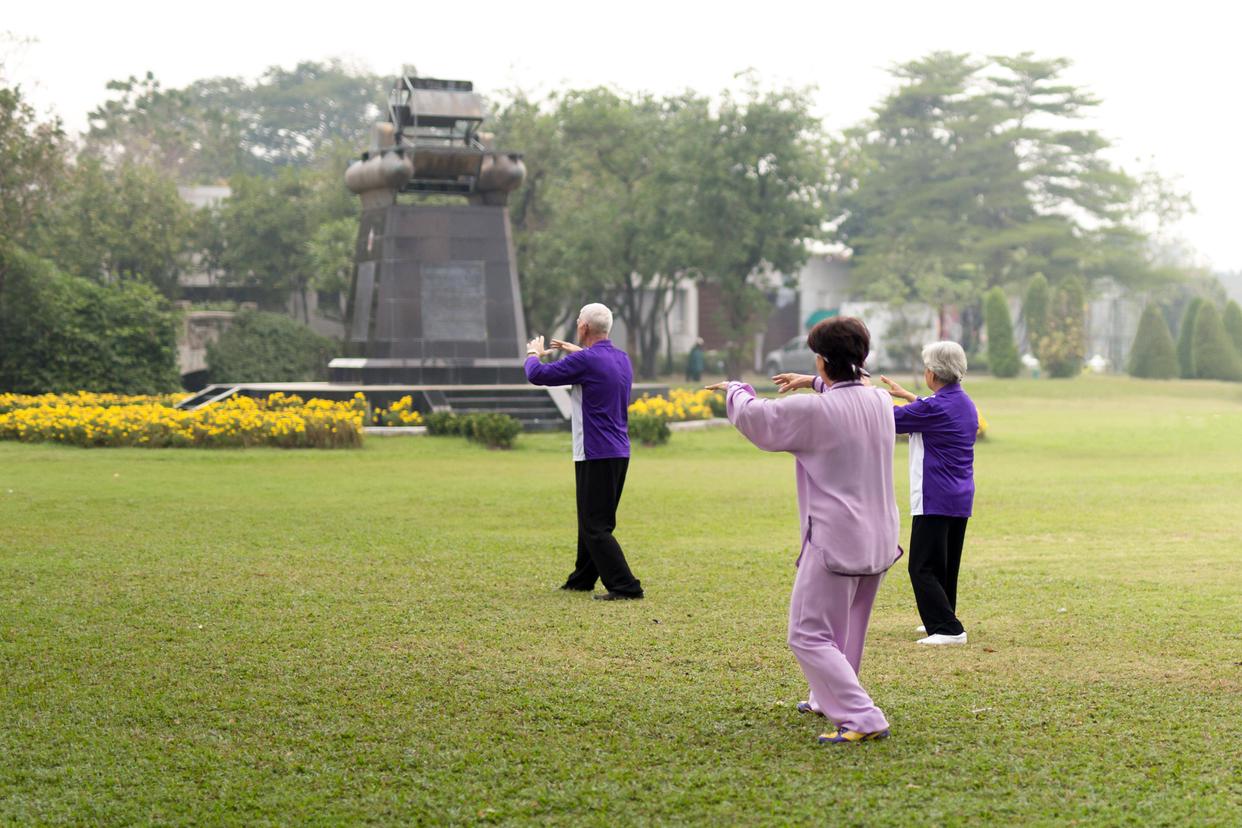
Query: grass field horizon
[316,637]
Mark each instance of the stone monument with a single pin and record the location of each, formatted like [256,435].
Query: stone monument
[434,298]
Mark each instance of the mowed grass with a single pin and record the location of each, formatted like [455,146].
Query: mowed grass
[270,637]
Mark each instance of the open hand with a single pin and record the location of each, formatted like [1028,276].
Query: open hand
[719,386]
[567,347]
[535,347]
[792,382]
[896,390]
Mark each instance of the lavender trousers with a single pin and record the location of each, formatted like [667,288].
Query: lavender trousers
[828,616]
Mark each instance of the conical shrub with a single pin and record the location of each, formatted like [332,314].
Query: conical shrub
[1214,354]
[1002,352]
[1186,339]
[1153,354]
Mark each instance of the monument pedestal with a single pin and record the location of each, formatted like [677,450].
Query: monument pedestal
[435,298]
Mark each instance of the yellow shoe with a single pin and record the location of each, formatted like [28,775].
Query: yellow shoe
[842,734]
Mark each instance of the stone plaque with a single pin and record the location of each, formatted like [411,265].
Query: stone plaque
[454,301]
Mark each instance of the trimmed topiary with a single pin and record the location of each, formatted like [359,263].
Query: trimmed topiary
[1214,354]
[1153,354]
[1186,338]
[1002,352]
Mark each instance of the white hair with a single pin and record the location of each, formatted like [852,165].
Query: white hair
[946,360]
[597,317]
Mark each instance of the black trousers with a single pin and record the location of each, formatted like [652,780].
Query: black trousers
[935,558]
[599,485]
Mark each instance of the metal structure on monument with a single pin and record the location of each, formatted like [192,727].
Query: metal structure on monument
[434,307]
[435,294]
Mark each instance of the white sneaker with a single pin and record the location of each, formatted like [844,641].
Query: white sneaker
[941,638]
[920,628]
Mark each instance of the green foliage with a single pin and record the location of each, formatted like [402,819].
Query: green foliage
[218,128]
[168,129]
[288,117]
[61,333]
[1153,354]
[976,173]
[649,429]
[1002,352]
[493,430]
[1063,348]
[1233,324]
[118,224]
[265,224]
[269,347]
[31,165]
[1186,339]
[331,252]
[1035,311]
[626,195]
[444,424]
[551,284]
[761,165]
[1215,356]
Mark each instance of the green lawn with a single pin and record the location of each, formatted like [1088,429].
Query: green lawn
[374,636]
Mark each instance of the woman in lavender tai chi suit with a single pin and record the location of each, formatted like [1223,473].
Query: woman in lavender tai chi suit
[842,443]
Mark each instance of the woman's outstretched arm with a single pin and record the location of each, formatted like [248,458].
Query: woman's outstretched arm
[772,425]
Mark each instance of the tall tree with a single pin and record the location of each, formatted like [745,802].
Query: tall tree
[760,197]
[622,212]
[288,116]
[148,125]
[978,173]
[551,291]
[265,224]
[121,223]
[32,162]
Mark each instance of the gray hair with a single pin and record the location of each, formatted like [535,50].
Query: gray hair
[597,317]
[946,360]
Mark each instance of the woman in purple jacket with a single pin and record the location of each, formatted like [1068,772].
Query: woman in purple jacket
[942,431]
[842,443]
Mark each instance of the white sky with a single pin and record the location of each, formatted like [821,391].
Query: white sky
[1165,71]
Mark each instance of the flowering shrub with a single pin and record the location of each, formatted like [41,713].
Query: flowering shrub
[681,404]
[400,413]
[649,429]
[87,420]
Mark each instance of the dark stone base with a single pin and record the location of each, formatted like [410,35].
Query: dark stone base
[400,372]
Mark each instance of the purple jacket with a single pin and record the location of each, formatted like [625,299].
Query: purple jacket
[601,378]
[942,431]
[842,443]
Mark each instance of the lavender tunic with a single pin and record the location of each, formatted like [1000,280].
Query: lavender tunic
[842,443]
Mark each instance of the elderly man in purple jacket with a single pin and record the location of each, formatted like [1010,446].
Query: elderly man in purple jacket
[942,430]
[600,376]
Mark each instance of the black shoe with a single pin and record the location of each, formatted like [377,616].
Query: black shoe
[618,596]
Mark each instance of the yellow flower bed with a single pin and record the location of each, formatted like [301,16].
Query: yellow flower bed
[400,413]
[681,404]
[84,419]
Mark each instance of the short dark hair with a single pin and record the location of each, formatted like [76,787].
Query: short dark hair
[844,343]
